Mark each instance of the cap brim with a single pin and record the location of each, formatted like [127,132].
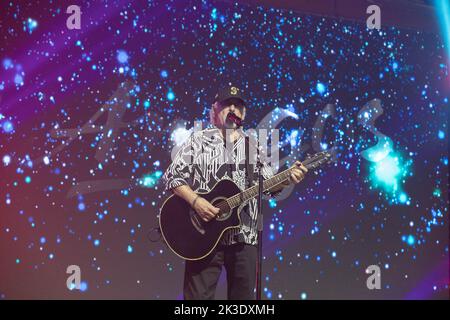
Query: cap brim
[233,97]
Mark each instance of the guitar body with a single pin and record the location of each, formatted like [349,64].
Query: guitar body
[189,236]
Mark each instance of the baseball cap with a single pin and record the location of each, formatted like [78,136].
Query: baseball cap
[229,92]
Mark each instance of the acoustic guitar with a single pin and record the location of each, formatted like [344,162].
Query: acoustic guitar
[190,237]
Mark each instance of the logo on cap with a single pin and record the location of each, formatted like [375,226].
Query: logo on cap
[234,91]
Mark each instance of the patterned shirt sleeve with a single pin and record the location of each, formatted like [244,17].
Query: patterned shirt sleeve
[180,170]
[267,173]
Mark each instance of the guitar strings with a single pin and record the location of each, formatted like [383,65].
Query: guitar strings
[305,162]
[224,205]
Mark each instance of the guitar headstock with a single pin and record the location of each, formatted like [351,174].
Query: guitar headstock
[316,160]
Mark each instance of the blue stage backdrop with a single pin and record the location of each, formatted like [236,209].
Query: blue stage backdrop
[88,119]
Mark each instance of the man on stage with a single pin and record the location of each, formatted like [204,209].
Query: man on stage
[212,162]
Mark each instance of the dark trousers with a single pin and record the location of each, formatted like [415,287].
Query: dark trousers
[201,276]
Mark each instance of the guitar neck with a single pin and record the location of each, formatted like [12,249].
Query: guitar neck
[238,199]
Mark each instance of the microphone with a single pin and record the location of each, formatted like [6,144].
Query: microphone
[231,117]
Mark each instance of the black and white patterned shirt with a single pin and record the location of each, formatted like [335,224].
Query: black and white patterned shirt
[201,162]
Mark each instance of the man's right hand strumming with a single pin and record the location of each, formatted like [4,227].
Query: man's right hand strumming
[205,209]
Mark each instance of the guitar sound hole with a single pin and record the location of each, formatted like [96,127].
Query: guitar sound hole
[225,210]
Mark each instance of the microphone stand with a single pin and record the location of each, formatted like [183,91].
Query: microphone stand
[259,217]
[260,225]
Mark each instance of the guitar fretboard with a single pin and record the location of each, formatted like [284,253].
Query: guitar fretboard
[238,199]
